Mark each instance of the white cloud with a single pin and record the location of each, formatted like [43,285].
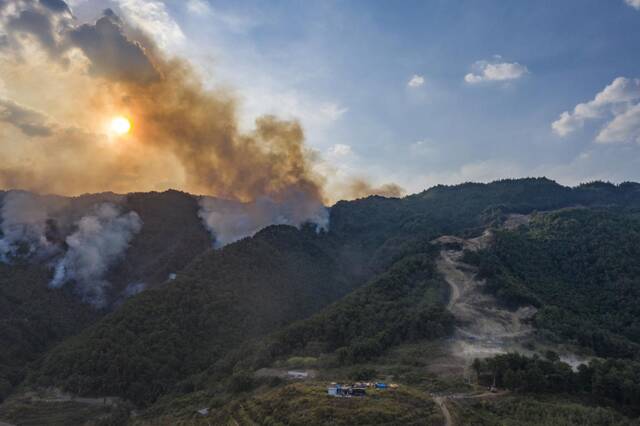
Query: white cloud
[624,127]
[198,7]
[485,71]
[423,148]
[74,3]
[633,3]
[619,101]
[478,171]
[152,17]
[340,150]
[416,81]
[268,96]
[332,111]
[224,19]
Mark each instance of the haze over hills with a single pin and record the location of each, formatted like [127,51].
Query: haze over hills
[204,219]
[339,298]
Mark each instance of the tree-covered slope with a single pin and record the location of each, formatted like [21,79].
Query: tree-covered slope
[172,235]
[223,299]
[32,317]
[259,286]
[610,382]
[404,304]
[581,267]
[381,226]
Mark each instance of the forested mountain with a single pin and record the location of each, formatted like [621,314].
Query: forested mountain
[581,267]
[224,298]
[404,304]
[171,236]
[31,318]
[344,298]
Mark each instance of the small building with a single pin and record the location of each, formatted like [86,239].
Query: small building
[358,392]
[346,391]
[338,391]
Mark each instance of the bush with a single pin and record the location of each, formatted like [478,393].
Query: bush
[363,373]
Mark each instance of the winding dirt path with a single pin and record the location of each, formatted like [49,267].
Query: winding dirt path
[59,396]
[448,421]
[483,328]
[441,401]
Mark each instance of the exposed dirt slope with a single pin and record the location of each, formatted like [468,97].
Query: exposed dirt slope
[483,327]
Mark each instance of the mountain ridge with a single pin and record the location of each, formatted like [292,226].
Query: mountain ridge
[229,311]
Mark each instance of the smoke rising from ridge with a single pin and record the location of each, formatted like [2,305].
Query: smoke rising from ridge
[79,239]
[360,188]
[229,221]
[100,240]
[182,137]
[173,115]
[24,225]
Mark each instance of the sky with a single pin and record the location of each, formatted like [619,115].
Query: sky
[421,93]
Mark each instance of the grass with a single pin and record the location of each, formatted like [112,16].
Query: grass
[528,410]
[26,413]
[308,404]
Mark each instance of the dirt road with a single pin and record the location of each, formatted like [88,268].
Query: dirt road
[483,328]
[448,421]
[441,401]
[55,395]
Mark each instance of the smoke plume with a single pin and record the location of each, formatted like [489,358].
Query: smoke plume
[133,289]
[183,136]
[99,241]
[360,188]
[229,221]
[24,225]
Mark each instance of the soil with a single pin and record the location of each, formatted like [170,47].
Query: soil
[483,327]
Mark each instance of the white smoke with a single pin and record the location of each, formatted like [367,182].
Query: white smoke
[133,289]
[24,225]
[101,239]
[230,221]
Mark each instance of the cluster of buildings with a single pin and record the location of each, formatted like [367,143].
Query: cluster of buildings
[356,389]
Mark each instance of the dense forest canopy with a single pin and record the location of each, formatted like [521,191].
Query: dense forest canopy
[581,267]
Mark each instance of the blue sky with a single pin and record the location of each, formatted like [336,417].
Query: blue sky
[488,80]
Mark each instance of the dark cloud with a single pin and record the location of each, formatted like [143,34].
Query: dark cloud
[30,122]
[111,53]
[37,24]
[57,6]
[109,13]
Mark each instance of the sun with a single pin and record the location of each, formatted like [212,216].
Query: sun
[120,126]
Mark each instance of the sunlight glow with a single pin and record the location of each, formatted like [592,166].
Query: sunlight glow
[120,126]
